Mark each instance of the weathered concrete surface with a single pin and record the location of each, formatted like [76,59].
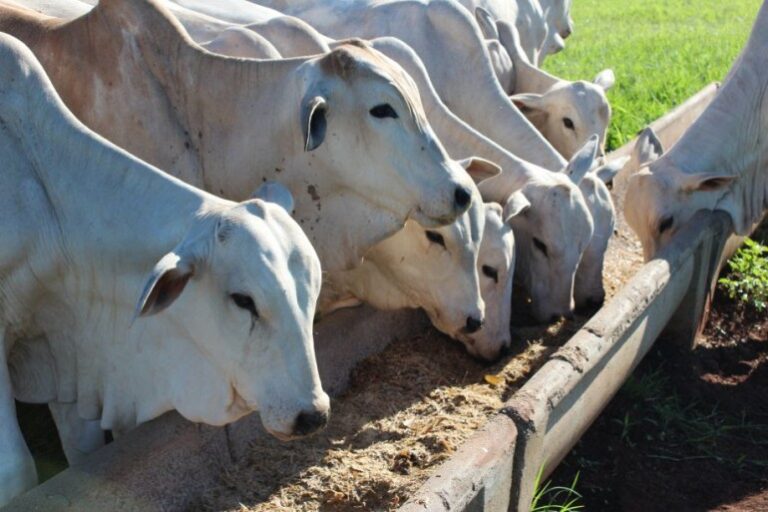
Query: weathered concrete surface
[556,406]
[476,478]
[164,464]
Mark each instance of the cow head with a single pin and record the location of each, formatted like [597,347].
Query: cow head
[495,265]
[589,292]
[558,15]
[363,117]
[570,112]
[553,227]
[241,287]
[433,269]
[661,197]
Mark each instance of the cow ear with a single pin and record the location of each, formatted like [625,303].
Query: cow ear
[165,284]
[648,147]
[487,23]
[277,193]
[529,102]
[605,79]
[582,161]
[480,169]
[517,204]
[314,122]
[704,182]
[607,172]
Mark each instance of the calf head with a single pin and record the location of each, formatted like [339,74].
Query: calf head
[570,112]
[242,287]
[661,197]
[362,115]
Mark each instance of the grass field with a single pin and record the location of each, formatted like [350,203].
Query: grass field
[662,51]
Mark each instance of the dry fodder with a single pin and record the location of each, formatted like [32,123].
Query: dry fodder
[407,410]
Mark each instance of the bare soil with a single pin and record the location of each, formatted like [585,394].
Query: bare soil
[689,431]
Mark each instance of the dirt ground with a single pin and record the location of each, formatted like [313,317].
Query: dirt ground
[689,430]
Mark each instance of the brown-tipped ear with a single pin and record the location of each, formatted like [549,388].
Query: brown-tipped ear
[168,279]
[480,169]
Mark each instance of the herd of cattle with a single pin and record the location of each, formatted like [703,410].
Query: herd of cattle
[422,164]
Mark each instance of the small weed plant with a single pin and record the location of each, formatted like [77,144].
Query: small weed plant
[551,498]
[747,280]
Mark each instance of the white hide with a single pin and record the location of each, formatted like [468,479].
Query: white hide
[555,200]
[718,164]
[220,327]
[566,113]
[317,111]
[450,44]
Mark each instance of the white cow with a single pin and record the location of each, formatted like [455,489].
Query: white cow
[566,113]
[718,164]
[221,326]
[537,38]
[463,140]
[199,116]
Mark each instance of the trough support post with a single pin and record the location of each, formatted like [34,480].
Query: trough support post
[691,315]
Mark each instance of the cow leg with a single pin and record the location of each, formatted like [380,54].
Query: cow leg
[17,467]
[78,437]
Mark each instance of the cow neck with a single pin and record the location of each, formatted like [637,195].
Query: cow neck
[729,137]
[103,197]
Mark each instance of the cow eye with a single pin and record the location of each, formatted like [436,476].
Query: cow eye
[665,224]
[436,238]
[491,272]
[383,110]
[540,245]
[245,302]
[568,123]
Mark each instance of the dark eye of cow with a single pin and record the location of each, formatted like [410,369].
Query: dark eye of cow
[245,302]
[568,123]
[436,238]
[540,245]
[491,272]
[383,110]
[665,224]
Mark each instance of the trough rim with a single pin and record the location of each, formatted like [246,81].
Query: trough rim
[532,405]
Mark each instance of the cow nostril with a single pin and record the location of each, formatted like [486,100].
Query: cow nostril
[555,318]
[462,197]
[473,324]
[308,422]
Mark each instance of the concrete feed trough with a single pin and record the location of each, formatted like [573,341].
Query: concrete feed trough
[162,464]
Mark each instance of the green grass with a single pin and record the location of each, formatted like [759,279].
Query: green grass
[662,52]
[549,498]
